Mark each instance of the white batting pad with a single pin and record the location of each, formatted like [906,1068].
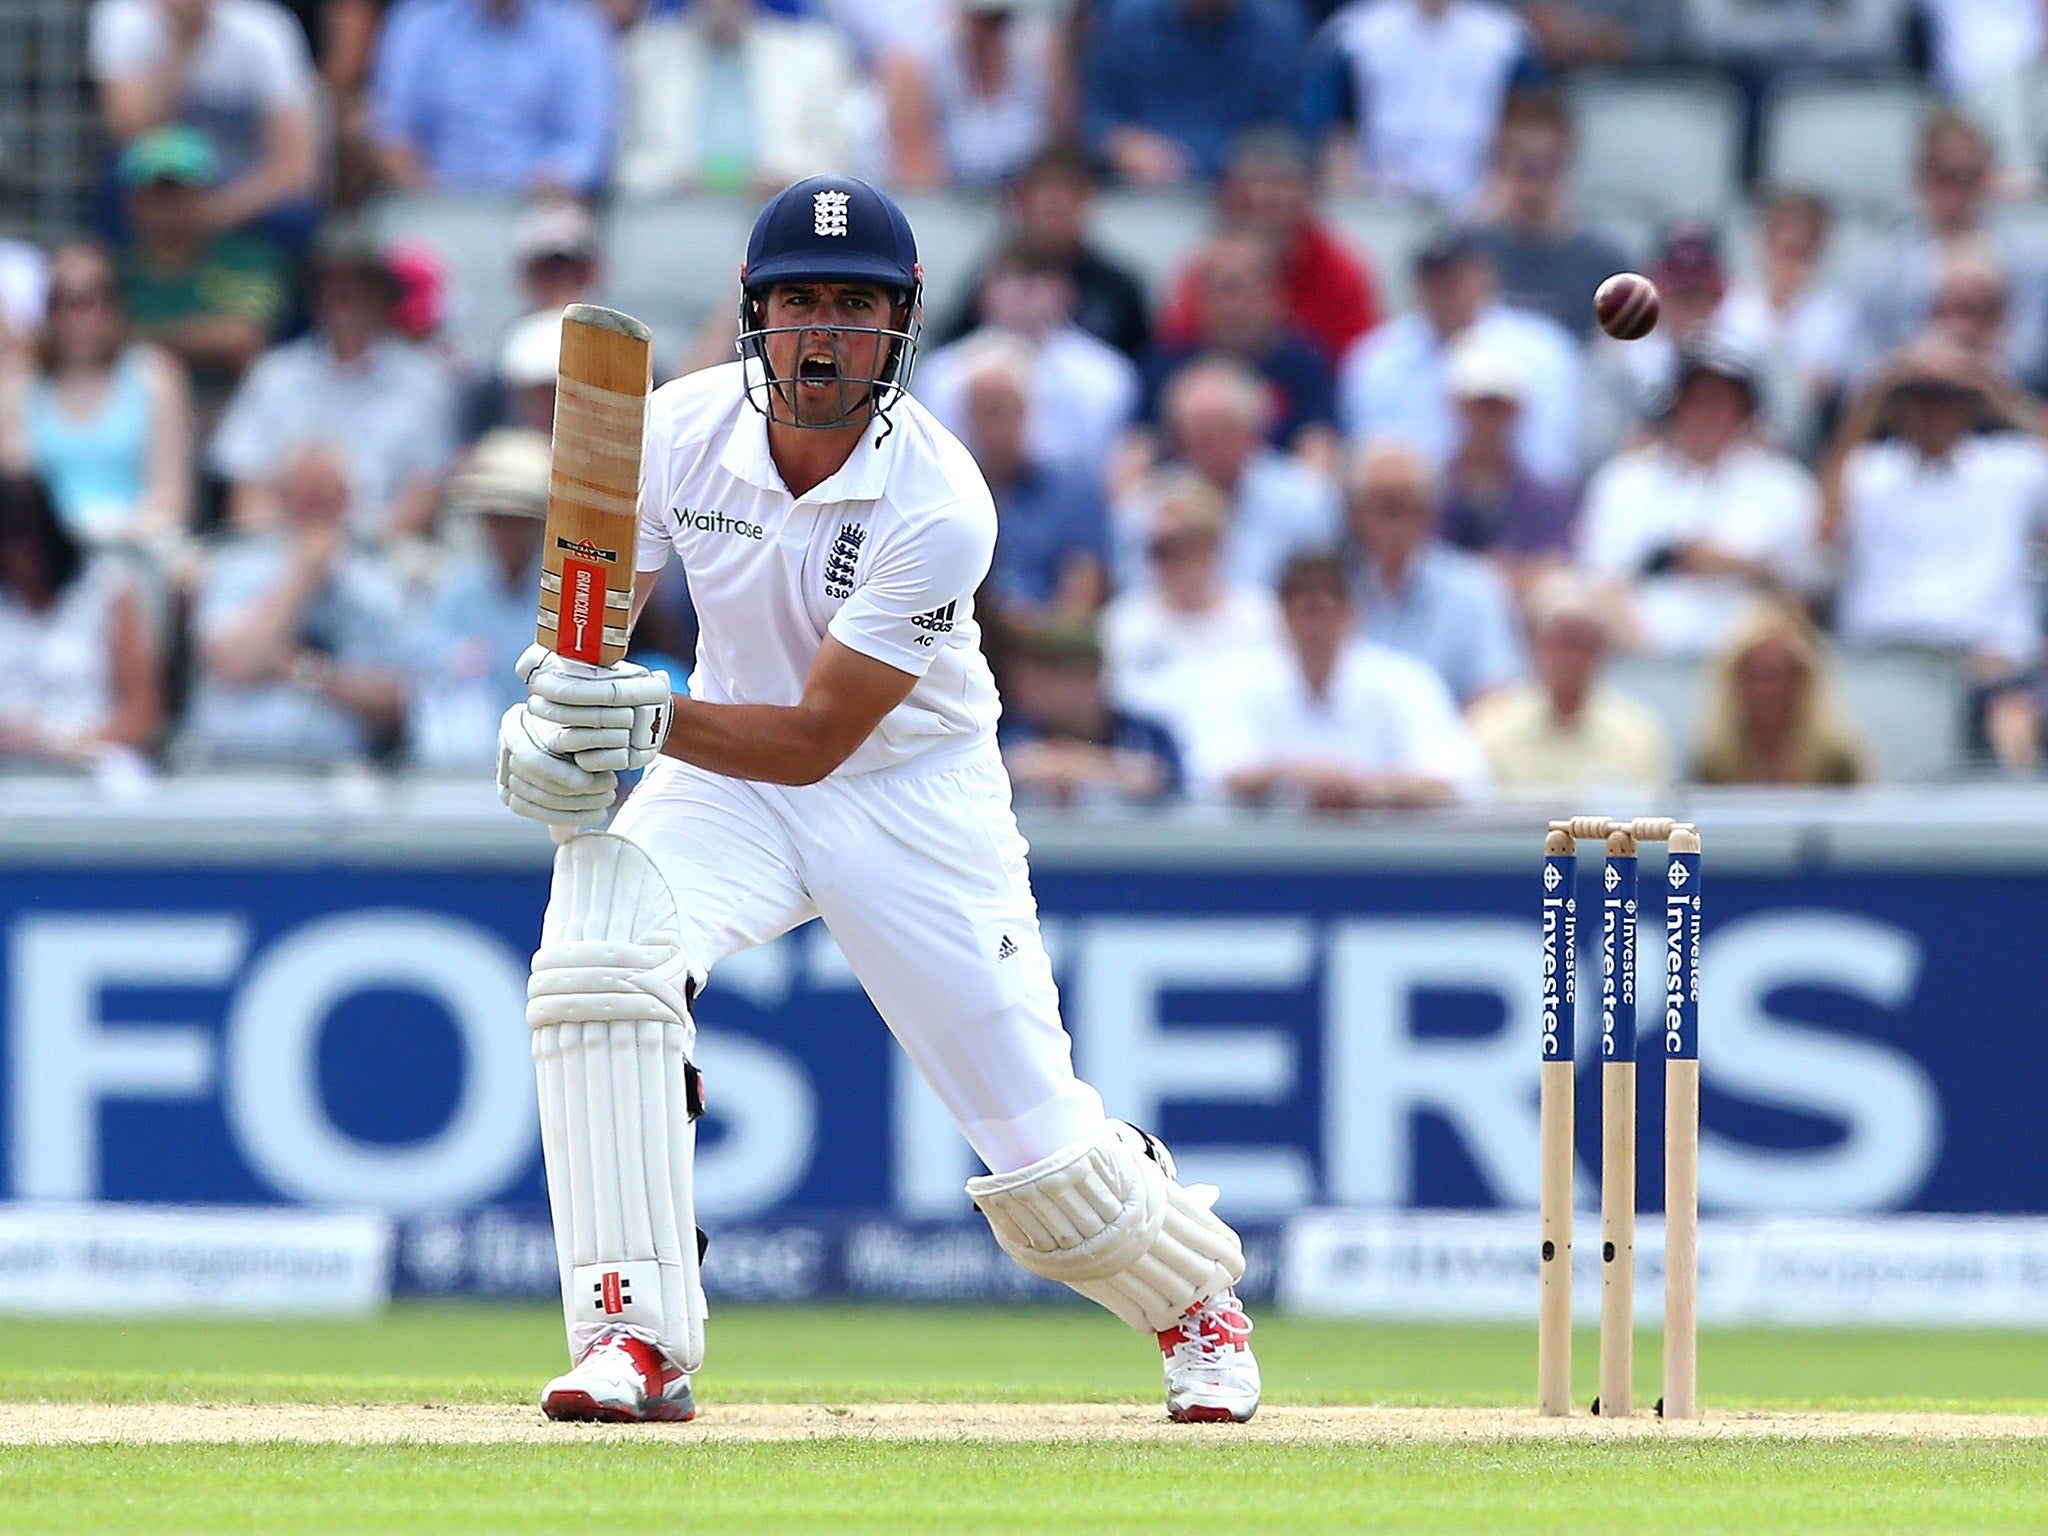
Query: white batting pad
[609,1007]
[1105,1218]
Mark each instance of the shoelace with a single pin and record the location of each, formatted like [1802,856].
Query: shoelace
[614,1343]
[1214,1327]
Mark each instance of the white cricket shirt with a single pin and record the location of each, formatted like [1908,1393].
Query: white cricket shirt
[1384,710]
[1940,552]
[884,556]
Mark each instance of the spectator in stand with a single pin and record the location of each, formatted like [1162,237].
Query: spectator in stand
[212,299]
[79,681]
[1393,382]
[1492,505]
[1083,391]
[1065,742]
[1164,637]
[1783,311]
[1269,192]
[1416,594]
[1971,308]
[1772,714]
[1544,260]
[1955,189]
[1936,525]
[1568,731]
[1171,83]
[1242,315]
[728,97]
[300,639]
[105,422]
[1690,528]
[505,96]
[384,403]
[1628,382]
[556,252]
[482,616]
[1051,530]
[1214,414]
[1329,720]
[555,255]
[972,111]
[1407,94]
[24,282]
[235,70]
[1047,207]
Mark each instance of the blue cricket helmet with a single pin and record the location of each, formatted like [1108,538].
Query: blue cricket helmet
[831,229]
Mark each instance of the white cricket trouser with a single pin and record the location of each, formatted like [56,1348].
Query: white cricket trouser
[921,878]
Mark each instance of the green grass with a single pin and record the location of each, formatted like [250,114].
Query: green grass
[964,1354]
[852,1489]
[1200,1484]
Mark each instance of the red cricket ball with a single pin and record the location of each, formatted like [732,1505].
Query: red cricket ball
[1626,305]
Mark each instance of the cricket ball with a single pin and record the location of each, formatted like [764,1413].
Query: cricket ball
[1626,306]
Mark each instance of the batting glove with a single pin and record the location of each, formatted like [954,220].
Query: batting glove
[612,718]
[538,781]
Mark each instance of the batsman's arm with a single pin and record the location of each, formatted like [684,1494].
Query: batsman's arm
[845,697]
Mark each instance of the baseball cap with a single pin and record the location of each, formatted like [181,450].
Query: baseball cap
[506,476]
[1477,371]
[181,155]
[555,228]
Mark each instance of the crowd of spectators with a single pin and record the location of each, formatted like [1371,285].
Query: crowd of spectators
[1266,535]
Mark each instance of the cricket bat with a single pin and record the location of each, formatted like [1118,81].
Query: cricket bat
[586,581]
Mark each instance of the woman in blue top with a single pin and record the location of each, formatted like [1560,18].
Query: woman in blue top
[105,421]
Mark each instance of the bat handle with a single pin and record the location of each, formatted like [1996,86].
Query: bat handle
[582,669]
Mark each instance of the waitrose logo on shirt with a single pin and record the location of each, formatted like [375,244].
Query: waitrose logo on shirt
[717,522]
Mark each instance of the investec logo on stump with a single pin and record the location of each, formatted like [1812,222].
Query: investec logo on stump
[717,522]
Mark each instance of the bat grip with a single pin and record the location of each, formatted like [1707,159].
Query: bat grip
[574,668]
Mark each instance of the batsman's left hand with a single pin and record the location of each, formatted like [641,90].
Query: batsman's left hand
[611,718]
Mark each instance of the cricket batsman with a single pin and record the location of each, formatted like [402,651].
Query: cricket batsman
[835,758]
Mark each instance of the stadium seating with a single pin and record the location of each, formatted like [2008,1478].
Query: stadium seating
[1694,121]
[1855,141]
[1910,707]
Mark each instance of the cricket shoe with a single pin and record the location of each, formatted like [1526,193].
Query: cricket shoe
[1211,1377]
[620,1380]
